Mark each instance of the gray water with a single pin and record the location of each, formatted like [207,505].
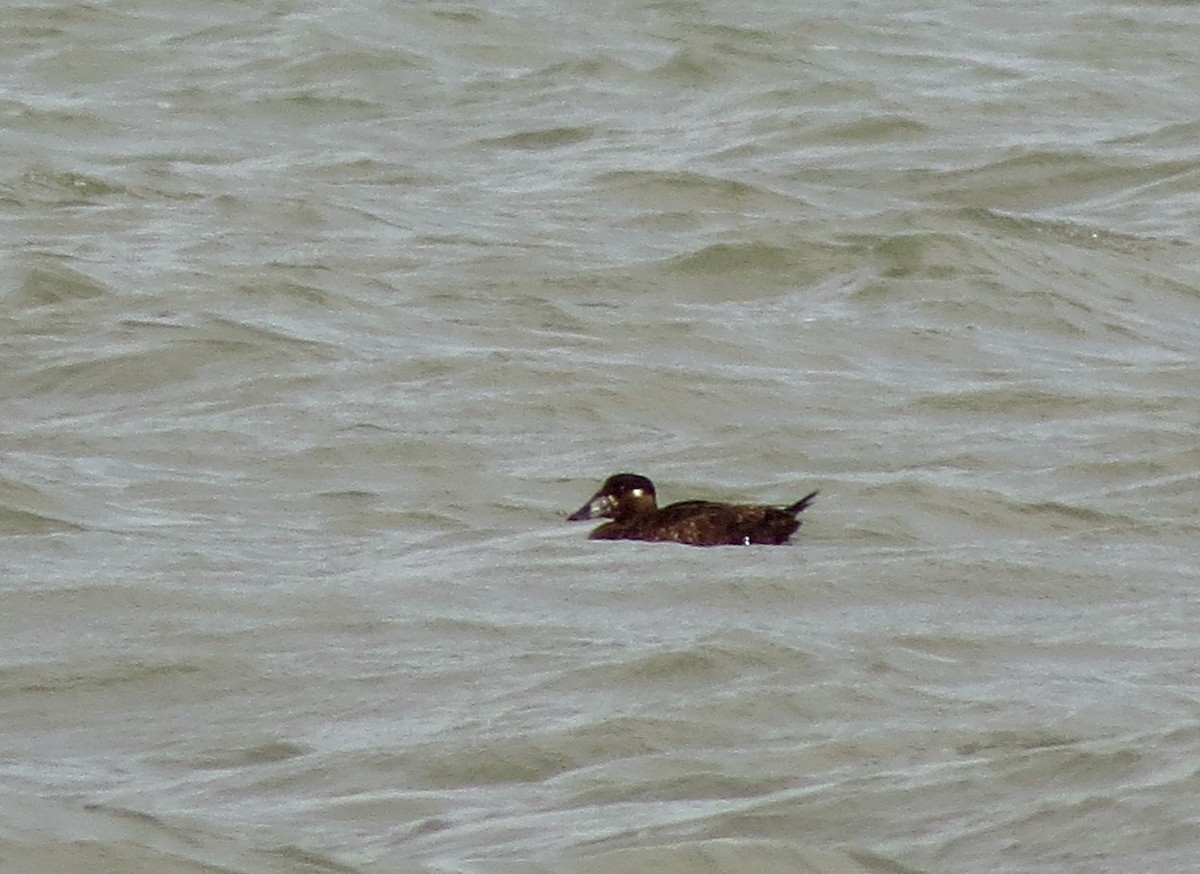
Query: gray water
[317,319]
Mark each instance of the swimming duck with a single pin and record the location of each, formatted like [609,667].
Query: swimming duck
[629,501]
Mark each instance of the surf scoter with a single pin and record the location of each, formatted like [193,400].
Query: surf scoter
[629,500]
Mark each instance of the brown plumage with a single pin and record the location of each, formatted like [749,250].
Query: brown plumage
[629,501]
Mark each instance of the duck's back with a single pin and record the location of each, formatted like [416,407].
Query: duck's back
[705,523]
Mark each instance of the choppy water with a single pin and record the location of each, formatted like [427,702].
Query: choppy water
[316,320]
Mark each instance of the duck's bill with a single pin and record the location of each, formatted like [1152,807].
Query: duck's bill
[596,508]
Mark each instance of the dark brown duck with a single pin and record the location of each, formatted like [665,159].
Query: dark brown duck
[629,501]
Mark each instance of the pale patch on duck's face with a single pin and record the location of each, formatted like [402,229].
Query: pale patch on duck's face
[598,507]
[603,506]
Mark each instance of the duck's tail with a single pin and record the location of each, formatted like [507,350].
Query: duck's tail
[802,504]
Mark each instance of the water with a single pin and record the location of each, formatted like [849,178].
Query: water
[317,319]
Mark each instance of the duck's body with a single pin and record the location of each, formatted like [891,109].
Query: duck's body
[629,500]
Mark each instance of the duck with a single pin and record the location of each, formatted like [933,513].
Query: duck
[629,500]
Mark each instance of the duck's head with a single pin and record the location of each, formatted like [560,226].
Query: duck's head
[622,495]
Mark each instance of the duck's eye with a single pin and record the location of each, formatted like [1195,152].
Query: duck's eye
[637,493]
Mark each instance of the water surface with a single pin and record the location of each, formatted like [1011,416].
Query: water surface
[317,319]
